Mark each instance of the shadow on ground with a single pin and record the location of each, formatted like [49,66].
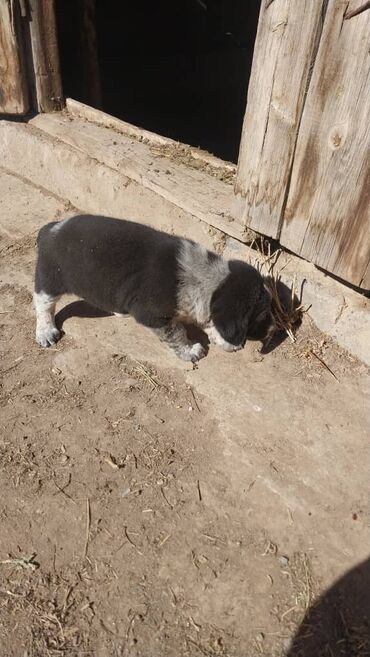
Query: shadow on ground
[78,309]
[83,309]
[338,624]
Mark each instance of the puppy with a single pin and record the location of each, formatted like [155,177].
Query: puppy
[163,281]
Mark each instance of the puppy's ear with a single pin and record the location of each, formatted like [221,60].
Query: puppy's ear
[229,315]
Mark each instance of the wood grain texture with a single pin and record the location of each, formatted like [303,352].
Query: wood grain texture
[45,56]
[77,109]
[286,43]
[327,217]
[201,195]
[13,87]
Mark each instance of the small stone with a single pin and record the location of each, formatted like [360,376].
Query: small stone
[283,560]
[260,637]
[126,492]
[64,459]
[131,383]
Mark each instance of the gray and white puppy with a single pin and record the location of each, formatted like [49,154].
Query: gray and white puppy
[163,281]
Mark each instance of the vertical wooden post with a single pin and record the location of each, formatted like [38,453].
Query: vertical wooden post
[45,56]
[13,84]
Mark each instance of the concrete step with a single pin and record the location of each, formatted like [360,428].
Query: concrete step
[163,170]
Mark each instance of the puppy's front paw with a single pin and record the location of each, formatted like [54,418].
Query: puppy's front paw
[226,346]
[47,336]
[192,353]
[197,352]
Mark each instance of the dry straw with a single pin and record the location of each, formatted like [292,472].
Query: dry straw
[288,312]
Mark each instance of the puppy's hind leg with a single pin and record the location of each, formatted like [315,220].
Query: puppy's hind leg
[174,336]
[47,333]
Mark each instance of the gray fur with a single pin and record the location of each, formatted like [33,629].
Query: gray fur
[199,278]
[174,336]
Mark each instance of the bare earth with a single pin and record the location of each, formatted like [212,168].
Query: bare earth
[149,509]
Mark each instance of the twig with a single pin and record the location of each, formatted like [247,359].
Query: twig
[62,490]
[165,540]
[200,647]
[199,491]
[88,521]
[144,372]
[13,595]
[324,364]
[130,624]
[169,503]
[288,611]
[357,11]
[250,486]
[23,562]
[195,401]
[132,542]
[12,367]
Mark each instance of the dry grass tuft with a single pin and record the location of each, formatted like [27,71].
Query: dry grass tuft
[287,318]
[145,373]
[287,312]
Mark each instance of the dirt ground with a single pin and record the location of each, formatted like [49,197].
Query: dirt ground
[151,509]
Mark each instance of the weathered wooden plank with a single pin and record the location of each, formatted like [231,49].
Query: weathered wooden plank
[327,218]
[286,43]
[45,56]
[77,109]
[13,86]
[151,166]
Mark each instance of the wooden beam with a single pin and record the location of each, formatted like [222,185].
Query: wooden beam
[45,56]
[13,85]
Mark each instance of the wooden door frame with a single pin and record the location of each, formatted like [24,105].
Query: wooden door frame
[29,47]
[14,91]
[43,57]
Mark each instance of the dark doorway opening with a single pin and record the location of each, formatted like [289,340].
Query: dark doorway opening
[176,67]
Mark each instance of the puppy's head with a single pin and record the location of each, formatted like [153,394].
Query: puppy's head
[241,307]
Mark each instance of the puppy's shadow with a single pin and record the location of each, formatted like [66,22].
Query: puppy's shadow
[83,309]
[78,309]
[287,302]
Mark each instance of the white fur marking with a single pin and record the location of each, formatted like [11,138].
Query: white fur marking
[46,331]
[216,338]
[58,226]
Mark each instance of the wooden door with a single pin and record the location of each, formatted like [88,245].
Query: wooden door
[304,167]
[327,216]
[14,97]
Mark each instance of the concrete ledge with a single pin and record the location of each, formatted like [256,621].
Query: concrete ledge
[94,186]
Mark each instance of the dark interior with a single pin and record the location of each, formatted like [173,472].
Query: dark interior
[177,67]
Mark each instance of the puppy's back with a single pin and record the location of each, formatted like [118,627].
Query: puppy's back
[102,259]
